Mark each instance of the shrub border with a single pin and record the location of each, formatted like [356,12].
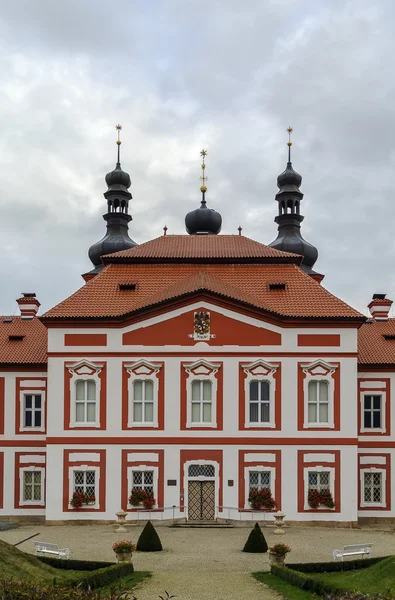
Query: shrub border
[297,574]
[102,573]
[328,567]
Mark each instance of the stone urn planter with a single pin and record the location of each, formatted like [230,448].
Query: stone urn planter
[276,559]
[124,556]
[277,553]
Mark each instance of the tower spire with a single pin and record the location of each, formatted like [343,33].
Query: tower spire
[289,219]
[203,178]
[203,220]
[117,216]
[119,129]
[289,143]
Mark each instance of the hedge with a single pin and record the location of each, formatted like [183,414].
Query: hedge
[329,567]
[302,581]
[74,565]
[103,577]
[103,573]
[297,574]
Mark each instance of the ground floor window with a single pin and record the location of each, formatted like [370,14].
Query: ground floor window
[85,482]
[319,480]
[259,480]
[32,486]
[143,480]
[372,488]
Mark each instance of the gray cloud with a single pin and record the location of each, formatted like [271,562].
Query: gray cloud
[180,76]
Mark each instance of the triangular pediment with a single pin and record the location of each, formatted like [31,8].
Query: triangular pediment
[201,325]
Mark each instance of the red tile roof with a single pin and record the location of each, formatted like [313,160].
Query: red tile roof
[247,283]
[202,248]
[32,349]
[373,347]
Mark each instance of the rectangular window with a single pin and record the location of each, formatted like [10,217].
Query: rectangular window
[201,401]
[259,480]
[143,480]
[372,488]
[143,401]
[372,411]
[85,481]
[319,480]
[32,489]
[259,402]
[32,410]
[85,401]
[318,402]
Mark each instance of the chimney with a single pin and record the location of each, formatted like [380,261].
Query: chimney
[28,305]
[380,307]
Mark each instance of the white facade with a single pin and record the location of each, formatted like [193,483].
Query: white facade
[108,450]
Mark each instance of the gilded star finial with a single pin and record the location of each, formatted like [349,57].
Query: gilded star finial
[119,129]
[203,187]
[289,143]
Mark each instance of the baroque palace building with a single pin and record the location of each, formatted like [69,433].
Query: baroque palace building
[192,370]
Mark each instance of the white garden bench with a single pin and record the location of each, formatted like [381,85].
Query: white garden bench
[47,548]
[353,550]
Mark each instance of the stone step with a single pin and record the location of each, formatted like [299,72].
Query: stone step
[204,524]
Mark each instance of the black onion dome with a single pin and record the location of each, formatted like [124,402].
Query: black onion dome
[203,220]
[116,238]
[118,177]
[289,179]
[290,240]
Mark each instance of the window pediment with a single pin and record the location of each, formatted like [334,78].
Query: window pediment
[319,368]
[143,367]
[260,368]
[202,367]
[84,367]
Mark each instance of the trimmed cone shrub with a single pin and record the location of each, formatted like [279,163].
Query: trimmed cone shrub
[256,541]
[149,540]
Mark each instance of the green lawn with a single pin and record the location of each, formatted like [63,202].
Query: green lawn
[15,564]
[377,578]
[285,589]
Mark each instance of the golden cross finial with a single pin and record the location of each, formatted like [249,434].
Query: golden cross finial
[203,187]
[289,143]
[119,129]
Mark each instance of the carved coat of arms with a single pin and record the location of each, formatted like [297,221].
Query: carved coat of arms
[201,325]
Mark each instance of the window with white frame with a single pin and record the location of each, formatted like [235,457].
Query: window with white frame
[319,480]
[201,408]
[32,410]
[372,488]
[259,480]
[143,401]
[259,401]
[85,482]
[85,401]
[372,411]
[32,486]
[143,480]
[318,401]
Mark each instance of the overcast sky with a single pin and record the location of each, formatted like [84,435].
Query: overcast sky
[182,75]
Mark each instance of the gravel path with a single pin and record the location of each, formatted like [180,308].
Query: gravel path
[199,563]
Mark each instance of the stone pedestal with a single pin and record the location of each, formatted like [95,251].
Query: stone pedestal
[279,523]
[121,516]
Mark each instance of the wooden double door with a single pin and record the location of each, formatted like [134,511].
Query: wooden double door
[201,500]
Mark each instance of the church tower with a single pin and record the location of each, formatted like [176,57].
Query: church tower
[117,216]
[289,197]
